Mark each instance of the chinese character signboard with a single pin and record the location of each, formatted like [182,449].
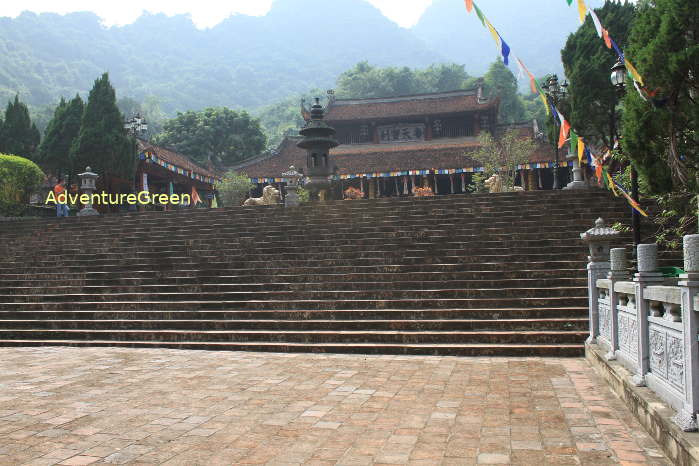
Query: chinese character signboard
[401,133]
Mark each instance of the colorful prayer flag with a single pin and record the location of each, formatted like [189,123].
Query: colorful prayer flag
[596,21]
[617,50]
[581,150]
[582,10]
[469,5]
[607,39]
[195,196]
[565,130]
[479,13]
[573,142]
[505,52]
[493,32]
[634,73]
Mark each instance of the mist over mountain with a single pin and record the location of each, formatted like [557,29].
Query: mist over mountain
[247,62]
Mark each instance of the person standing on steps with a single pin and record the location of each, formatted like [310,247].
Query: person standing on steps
[61,194]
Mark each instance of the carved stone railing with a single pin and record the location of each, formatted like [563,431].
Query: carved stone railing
[649,327]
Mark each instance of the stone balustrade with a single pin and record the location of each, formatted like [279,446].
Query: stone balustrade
[647,326]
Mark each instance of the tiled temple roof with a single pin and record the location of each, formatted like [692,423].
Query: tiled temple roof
[373,158]
[410,106]
[176,159]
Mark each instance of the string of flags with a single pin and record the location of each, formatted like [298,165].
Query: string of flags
[151,156]
[567,133]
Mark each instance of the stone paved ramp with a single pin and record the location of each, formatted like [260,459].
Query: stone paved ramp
[75,406]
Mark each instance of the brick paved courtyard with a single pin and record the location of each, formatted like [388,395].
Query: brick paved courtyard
[103,405]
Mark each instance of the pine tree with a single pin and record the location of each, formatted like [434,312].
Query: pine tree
[660,135]
[102,143]
[19,135]
[61,133]
[593,101]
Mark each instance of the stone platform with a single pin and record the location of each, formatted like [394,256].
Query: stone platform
[75,406]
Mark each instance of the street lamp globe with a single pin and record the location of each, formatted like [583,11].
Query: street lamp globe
[618,76]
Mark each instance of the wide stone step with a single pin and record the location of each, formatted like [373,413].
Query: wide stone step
[255,269]
[497,349]
[319,336]
[381,294]
[304,314]
[500,262]
[290,304]
[206,287]
[102,278]
[154,248]
[570,230]
[310,252]
[578,324]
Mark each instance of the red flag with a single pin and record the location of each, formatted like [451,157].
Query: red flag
[565,130]
[607,39]
[469,5]
[195,196]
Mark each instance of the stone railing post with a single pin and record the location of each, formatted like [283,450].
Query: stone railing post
[598,238]
[618,272]
[647,275]
[686,418]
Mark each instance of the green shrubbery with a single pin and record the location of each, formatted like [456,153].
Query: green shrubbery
[18,178]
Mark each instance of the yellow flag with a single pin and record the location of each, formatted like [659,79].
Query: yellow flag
[493,32]
[581,150]
[611,184]
[634,73]
[582,9]
[214,203]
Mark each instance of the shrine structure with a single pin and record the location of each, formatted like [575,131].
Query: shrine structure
[164,171]
[388,146]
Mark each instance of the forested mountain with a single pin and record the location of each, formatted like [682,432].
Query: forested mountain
[249,62]
[242,62]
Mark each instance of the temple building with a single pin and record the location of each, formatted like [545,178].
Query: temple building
[388,146]
[164,171]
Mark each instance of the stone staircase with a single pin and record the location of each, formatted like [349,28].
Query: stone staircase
[451,275]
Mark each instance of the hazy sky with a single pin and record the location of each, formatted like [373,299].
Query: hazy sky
[205,13]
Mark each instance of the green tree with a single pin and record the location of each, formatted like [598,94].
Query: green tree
[217,136]
[367,81]
[18,177]
[233,189]
[500,82]
[102,143]
[19,136]
[593,100]
[501,155]
[61,133]
[284,118]
[661,136]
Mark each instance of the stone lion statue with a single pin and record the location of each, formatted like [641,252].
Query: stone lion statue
[494,185]
[270,196]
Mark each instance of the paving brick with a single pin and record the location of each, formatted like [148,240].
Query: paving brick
[197,424]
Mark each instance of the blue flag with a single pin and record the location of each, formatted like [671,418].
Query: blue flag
[505,51]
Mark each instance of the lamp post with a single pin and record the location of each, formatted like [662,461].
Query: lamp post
[618,79]
[556,93]
[136,127]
